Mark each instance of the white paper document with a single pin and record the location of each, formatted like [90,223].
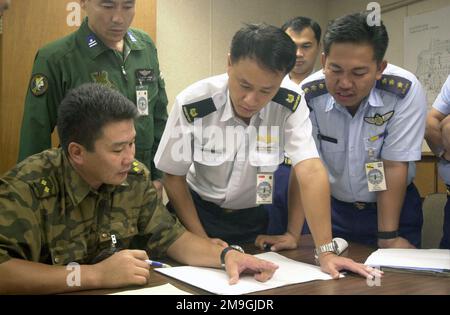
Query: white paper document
[433,260]
[166,289]
[216,280]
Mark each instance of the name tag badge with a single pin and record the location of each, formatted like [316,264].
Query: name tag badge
[142,100]
[264,188]
[376,179]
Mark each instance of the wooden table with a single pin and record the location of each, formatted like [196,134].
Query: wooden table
[393,282]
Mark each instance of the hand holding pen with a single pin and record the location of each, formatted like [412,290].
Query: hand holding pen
[157,264]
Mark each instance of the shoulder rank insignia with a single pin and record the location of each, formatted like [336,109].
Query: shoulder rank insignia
[379,120]
[199,109]
[38,84]
[43,188]
[394,84]
[314,89]
[287,98]
[136,168]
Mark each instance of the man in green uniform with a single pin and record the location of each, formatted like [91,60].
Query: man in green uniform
[89,202]
[103,50]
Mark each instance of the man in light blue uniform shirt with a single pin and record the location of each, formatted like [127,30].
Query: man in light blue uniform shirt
[306,34]
[438,138]
[368,121]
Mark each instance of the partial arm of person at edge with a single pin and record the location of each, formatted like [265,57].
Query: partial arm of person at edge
[313,190]
[178,193]
[126,268]
[433,134]
[390,203]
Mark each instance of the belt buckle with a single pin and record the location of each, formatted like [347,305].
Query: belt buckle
[360,205]
[228,211]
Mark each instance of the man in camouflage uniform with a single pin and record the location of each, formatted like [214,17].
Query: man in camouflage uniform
[103,50]
[91,203]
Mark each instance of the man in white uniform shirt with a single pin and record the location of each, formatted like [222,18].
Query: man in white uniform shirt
[226,136]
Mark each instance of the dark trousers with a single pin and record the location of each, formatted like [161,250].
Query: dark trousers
[349,222]
[358,222]
[278,210]
[233,226]
[445,242]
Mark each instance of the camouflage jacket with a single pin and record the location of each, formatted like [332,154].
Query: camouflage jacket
[49,214]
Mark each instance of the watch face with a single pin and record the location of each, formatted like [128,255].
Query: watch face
[238,248]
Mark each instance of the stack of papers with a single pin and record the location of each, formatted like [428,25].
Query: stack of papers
[428,260]
[216,280]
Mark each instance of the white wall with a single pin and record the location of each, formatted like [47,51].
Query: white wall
[393,20]
[194,35]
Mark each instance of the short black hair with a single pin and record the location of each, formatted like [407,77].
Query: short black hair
[299,23]
[85,110]
[354,28]
[268,45]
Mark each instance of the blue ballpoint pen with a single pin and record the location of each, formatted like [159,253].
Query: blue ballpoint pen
[157,264]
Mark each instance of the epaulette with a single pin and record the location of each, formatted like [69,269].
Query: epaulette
[137,168]
[43,188]
[199,109]
[314,89]
[287,98]
[394,84]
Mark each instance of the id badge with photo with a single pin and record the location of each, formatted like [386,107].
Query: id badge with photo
[376,179]
[142,100]
[264,188]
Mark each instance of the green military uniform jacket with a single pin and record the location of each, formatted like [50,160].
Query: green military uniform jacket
[79,58]
[49,214]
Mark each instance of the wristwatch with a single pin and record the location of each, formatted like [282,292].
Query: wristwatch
[226,250]
[329,247]
[387,235]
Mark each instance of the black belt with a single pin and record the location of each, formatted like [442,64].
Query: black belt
[358,204]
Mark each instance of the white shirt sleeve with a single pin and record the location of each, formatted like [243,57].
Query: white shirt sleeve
[174,155]
[299,142]
[442,102]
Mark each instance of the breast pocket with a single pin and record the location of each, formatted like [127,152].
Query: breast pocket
[213,166]
[124,224]
[333,153]
[65,251]
[266,161]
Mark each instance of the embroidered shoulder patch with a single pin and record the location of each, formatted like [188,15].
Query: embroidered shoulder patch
[314,89]
[287,98]
[198,109]
[379,120]
[394,84]
[39,84]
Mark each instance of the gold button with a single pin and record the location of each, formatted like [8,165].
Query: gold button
[104,235]
[57,260]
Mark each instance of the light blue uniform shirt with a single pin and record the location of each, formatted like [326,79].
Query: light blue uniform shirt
[442,104]
[395,111]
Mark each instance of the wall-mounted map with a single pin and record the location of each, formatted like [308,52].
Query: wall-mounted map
[427,49]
